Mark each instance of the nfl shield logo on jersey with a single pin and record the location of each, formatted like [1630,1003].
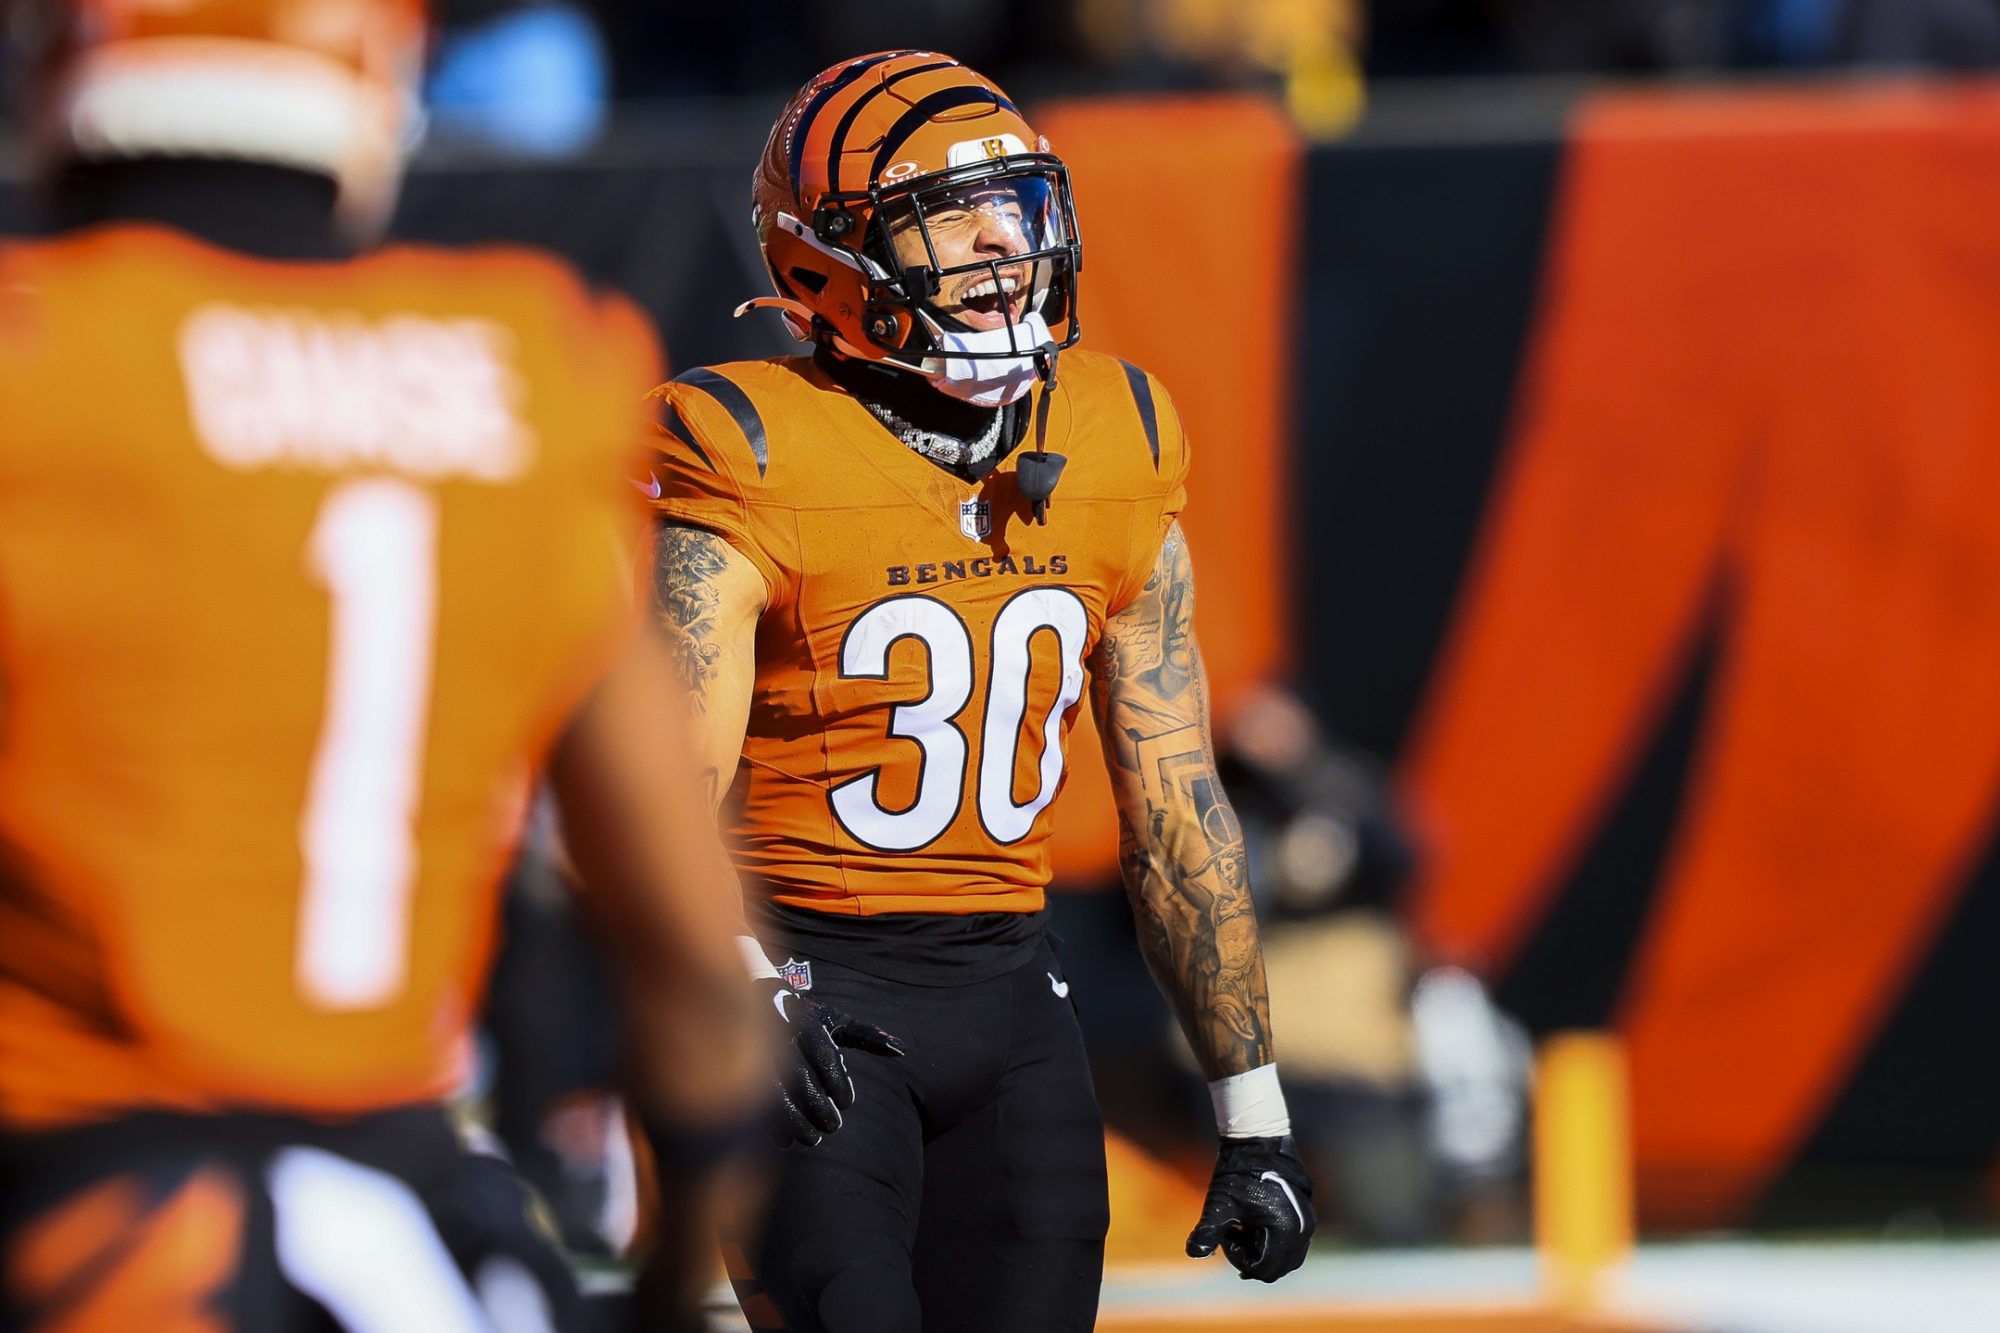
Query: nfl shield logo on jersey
[975,519]
[797,975]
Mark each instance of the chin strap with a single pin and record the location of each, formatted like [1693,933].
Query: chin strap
[1037,470]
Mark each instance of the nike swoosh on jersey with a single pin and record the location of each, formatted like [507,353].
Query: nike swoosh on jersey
[1061,988]
[650,487]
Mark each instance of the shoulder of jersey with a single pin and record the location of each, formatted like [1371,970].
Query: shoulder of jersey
[52,266]
[504,278]
[527,266]
[91,270]
[1131,422]
[19,296]
[739,421]
[596,332]
[520,287]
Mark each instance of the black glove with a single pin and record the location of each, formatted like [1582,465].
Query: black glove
[1259,1208]
[813,1083]
[484,1211]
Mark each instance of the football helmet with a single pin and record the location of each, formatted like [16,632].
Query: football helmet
[321,85]
[909,215]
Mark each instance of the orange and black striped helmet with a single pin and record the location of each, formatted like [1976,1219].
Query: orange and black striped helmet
[320,85]
[862,168]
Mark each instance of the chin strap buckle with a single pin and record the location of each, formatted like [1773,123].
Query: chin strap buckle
[1045,366]
[1038,470]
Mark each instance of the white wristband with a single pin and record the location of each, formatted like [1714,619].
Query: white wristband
[754,959]
[1250,1105]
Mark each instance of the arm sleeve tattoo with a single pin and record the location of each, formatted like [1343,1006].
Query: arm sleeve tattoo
[707,613]
[1180,846]
[686,564]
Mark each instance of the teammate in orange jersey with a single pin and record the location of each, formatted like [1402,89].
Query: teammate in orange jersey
[894,565]
[305,569]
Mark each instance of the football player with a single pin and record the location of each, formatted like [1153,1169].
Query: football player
[309,560]
[894,564]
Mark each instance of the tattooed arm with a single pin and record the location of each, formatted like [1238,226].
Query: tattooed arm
[1181,851]
[708,597]
[1180,847]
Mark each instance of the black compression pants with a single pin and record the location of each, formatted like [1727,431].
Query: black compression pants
[965,1193]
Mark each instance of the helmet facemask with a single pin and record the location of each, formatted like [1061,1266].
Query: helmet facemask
[971,272]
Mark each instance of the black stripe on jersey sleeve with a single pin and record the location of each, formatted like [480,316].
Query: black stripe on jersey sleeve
[1149,417]
[737,403]
[668,417]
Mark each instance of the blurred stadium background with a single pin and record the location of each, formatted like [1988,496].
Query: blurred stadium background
[1598,506]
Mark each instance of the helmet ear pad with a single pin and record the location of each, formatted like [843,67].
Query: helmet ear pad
[835,283]
[819,276]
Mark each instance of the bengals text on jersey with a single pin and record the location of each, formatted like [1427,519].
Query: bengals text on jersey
[301,566]
[924,646]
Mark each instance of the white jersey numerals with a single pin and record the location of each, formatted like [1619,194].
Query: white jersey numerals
[1014,630]
[928,721]
[374,549]
[932,721]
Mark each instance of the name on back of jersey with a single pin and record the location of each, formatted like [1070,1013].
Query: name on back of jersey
[329,390]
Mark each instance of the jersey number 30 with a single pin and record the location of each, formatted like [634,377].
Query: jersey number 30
[943,749]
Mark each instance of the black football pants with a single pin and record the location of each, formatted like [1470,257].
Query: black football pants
[965,1193]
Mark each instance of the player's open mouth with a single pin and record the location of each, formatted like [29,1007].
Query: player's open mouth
[986,304]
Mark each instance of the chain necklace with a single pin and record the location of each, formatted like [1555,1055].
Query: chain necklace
[939,447]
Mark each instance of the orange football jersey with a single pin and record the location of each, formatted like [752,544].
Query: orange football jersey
[926,643]
[301,568]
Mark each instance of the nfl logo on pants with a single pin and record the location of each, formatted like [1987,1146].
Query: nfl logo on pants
[975,519]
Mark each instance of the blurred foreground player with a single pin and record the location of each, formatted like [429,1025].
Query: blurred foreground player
[894,565]
[307,563]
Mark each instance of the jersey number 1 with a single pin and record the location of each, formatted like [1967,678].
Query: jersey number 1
[374,549]
[932,721]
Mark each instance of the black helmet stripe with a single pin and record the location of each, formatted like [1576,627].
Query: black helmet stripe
[839,141]
[908,122]
[847,76]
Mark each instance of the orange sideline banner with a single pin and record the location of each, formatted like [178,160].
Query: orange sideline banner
[1760,400]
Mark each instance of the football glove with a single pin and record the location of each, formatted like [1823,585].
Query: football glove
[1259,1209]
[813,1083]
